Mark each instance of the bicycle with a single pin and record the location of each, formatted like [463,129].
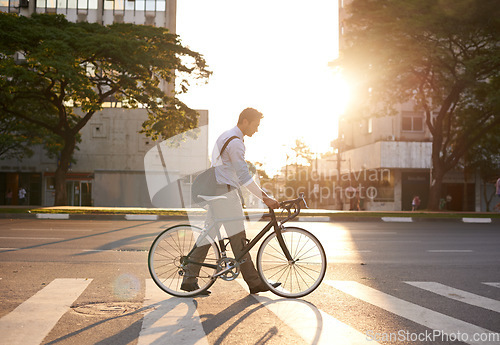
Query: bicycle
[291,256]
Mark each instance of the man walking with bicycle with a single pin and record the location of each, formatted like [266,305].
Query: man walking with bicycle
[232,173]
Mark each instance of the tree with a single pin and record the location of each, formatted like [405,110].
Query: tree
[302,176]
[16,140]
[57,74]
[303,153]
[444,55]
[484,157]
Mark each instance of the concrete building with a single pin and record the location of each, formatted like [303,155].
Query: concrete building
[161,13]
[388,158]
[109,168]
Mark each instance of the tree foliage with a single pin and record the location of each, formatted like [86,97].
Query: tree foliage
[56,74]
[443,55]
[16,139]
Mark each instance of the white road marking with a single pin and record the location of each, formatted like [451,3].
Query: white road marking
[410,311]
[314,219]
[31,321]
[397,219]
[141,217]
[171,321]
[351,251]
[312,324]
[450,251]
[32,238]
[373,232]
[52,216]
[50,229]
[493,284]
[459,295]
[477,220]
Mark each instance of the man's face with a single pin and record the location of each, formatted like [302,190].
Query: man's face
[251,127]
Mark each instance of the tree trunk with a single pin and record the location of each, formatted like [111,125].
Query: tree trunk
[61,198]
[436,187]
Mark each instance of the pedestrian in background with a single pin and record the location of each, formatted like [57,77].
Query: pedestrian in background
[22,196]
[8,197]
[415,203]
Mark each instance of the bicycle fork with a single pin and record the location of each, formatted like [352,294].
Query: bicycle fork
[279,236]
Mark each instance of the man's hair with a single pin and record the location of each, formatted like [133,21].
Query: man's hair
[250,114]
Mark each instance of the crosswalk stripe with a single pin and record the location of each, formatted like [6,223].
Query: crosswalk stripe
[413,312]
[312,324]
[31,321]
[171,320]
[459,295]
[493,284]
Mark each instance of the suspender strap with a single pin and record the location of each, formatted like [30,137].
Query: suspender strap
[225,145]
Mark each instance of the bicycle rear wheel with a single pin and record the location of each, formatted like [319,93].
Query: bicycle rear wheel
[167,261]
[303,274]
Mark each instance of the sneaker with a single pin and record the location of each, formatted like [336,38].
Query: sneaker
[194,286]
[263,288]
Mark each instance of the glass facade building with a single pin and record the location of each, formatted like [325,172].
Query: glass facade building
[159,13]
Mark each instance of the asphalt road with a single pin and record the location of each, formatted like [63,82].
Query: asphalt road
[87,282]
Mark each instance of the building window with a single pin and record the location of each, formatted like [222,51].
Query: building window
[412,121]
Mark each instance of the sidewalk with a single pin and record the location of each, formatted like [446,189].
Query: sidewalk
[308,215]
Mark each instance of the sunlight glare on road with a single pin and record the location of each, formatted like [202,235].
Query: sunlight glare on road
[336,240]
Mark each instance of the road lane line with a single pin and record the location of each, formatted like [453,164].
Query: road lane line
[450,251]
[31,321]
[410,311]
[32,238]
[459,295]
[312,324]
[50,229]
[493,284]
[171,320]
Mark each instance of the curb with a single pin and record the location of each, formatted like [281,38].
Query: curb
[397,219]
[301,218]
[52,216]
[477,220]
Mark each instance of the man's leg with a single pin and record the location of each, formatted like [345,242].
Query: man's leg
[235,229]
[248,270]
[199,254]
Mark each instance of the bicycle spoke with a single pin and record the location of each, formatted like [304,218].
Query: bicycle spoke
[299,267]
[274,256]
[299,277]
[166,257]
[280,251]
[276,267]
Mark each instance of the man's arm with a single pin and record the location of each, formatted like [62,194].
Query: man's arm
[259,193]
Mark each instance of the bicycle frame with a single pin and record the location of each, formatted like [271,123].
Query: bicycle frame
[222,246]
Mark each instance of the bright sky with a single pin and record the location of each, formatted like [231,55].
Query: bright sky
[271,55]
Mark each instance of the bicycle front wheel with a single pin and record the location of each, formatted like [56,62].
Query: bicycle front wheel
[173,271]
[298,277]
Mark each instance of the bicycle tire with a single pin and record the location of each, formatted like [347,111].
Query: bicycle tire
[164,260]
[300,277]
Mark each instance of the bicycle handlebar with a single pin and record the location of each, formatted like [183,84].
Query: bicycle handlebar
[288,205]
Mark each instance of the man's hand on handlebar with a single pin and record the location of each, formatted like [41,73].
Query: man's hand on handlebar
[270,202]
